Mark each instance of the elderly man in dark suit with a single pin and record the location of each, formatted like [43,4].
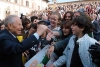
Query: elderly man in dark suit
[10,48]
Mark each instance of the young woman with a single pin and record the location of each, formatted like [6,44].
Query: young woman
[68,16]
[26,26]
[55,19]
[66,29]
[66,34]
[76,53]
[59,47]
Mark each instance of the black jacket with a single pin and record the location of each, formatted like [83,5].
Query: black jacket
[11,49]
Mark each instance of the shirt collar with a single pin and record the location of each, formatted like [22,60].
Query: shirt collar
[25,31]
[12,35]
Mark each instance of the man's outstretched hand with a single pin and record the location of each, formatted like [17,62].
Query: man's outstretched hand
[49,36]
[41,29]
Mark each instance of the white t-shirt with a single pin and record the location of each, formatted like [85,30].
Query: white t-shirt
[55,29]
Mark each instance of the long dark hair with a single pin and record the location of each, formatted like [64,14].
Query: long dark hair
[71,15]
[25,21]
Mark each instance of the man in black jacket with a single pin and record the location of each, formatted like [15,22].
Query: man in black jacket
[10,48]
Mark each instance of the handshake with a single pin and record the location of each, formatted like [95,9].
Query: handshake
[95,52]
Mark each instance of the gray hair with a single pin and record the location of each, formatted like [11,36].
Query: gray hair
[10,19]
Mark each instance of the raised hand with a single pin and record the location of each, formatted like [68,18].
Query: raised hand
[49,36]
[41,29]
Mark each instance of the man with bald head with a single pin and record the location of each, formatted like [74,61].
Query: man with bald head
[10,48]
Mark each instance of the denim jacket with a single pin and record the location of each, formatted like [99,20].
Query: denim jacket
[85,56]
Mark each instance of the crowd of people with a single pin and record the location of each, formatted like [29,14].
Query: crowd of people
[72,31]
[90,6]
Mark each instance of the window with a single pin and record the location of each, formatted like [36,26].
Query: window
[27,3]
[15,1]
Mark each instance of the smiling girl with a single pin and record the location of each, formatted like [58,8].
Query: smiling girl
[55,19]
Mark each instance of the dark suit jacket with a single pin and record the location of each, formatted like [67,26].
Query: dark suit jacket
[96,32]
[11,49]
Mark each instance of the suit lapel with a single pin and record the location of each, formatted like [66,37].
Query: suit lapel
[11,36]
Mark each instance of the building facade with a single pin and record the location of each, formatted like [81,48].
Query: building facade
[16,7]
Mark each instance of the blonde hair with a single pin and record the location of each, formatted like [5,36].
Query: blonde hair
[59,16]
[56,13]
